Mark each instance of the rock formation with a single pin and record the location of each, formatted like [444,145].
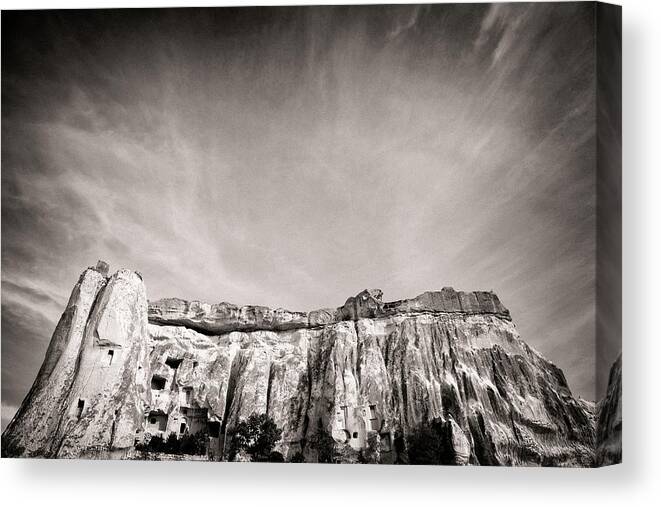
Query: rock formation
[88,394]
[366,376]
[609,425]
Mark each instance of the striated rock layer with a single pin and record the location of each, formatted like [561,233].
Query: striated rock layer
[225,317]
[609,425]
[89,392]
[369,374]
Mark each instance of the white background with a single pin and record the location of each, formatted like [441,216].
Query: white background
[636,482]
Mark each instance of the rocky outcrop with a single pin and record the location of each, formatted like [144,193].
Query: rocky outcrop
[225,317]
[609,422]
[39,416]
[369,374]
[88,393]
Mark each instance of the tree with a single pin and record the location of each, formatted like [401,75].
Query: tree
[194,444]
[255,436]
[429,444]
[154,443]
[172,444]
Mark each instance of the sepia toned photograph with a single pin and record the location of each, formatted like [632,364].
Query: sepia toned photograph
[384,234]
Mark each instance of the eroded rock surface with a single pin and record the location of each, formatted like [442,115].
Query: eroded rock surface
[88,394]
[369,374]
[39,416]
[609,424]
[225,317]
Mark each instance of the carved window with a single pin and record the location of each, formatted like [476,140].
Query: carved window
[158,421]
[109,357]
[157,383]
[173,362]
[345,413]
[79,409]
[214,429]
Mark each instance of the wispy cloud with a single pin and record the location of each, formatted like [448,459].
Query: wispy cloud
[407,21]
[502,27]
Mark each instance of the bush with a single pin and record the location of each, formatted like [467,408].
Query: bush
[256,437]
[154,444]
[399,445]
[187,444]
[276,457]
[298,458]
[429,444]
[172,444]
[194,444]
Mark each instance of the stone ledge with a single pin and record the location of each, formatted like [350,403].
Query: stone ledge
[225,317]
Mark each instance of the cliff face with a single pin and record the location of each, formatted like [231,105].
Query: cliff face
[370,374]
[40,415]
[609,425]
[89,391]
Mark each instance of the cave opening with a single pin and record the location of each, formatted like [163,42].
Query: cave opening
[214,429]
[157,421]
[158,383]
[80,408]
[173,362]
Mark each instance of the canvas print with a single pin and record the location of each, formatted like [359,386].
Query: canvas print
[328,234]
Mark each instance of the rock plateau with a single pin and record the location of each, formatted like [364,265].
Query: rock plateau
[368,374]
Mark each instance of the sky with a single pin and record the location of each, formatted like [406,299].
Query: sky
[291,157]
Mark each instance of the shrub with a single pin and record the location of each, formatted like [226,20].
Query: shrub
[276,457]
[298,458]
[429,444]
[255,436]
[171,445]
[154,444]
[194,444]
[186,444]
